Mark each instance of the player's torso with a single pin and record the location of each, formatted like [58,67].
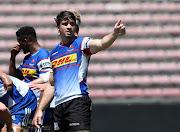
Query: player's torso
[31,66]
[66,61]
[29,69]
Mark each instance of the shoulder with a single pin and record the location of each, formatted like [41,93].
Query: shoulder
[27,56]
[82,40]
[45,51]
[54,49]
[85,43]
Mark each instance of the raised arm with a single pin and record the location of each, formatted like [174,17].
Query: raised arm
[97,45]
[13,71]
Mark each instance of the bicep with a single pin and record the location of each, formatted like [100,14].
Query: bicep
[95,45]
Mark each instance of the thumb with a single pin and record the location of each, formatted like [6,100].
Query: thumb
[118,23]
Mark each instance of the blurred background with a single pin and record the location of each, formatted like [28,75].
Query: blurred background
[135,84]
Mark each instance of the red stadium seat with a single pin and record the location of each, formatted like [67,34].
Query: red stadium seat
[153,92]
[172,54]
[104,81]
[114,93]
[112,67]
[177,41]
[114,7]
[104,55]
[171,92]
[96,68]
[119,55]
[123,80]
[149,67]
[97,93]
[133,92]
[91,81]
[174,79]
[138,55]
[124,43]
[161,80]
[90,19]
[130,67]
[143,80]
[168,66]
[156,54]
[172,29]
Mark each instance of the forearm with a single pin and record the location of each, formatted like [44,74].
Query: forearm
[97,45]
[12,67]
[46,97]
[108,40]
[101,44]
[37,81]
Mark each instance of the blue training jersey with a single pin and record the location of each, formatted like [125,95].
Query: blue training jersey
[34,65]
[21,101]
[16,95]
[70,64]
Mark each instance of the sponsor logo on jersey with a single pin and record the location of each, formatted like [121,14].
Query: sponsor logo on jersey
[64,60]
[71,46]
[32,61]
[29,72]
[45,65]
[74,124]
[54,53]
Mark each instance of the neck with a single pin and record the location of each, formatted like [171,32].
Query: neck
[34,47]
[65,40]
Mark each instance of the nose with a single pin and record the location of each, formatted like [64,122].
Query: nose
[69,26]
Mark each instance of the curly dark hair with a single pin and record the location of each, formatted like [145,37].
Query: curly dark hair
[27,31]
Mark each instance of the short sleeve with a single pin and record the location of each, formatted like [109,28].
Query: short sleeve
[85,46]
[44,64]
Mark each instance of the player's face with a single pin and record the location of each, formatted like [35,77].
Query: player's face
[23,45]
[67,28]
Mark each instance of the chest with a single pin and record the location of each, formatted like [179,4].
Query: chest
[65,56]
[29,66]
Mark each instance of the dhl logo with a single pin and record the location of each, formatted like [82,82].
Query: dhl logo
[64,60]
[29,72]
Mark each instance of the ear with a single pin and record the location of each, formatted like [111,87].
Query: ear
[58,30]
[26,40]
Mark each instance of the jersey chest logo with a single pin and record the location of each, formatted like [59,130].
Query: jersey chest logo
[29,72]
[64,60]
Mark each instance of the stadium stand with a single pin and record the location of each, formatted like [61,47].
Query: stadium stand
[144,63]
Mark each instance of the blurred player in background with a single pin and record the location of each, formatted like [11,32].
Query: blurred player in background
[36,65]
[69,60]
[17,103]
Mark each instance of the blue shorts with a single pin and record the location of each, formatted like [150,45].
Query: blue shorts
[25,109]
